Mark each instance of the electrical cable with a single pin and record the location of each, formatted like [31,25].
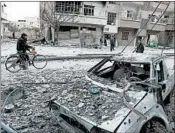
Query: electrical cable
[142,28]
[155,23]
[158,20]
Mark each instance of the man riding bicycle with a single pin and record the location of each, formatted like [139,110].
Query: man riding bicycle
[22,47]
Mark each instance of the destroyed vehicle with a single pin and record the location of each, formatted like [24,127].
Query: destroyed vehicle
[130,102]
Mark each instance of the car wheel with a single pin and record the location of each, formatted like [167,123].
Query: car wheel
[154,126]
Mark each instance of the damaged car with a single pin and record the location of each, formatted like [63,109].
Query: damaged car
[125,93]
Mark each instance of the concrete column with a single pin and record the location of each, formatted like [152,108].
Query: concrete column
[135,41]
[53,34]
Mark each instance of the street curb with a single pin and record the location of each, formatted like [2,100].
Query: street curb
[73,57]
[77,57]
[85,56]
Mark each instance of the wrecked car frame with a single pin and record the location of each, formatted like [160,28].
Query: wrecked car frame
[121,105]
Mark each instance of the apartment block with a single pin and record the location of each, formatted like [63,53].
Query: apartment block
[4,20]
[124,20]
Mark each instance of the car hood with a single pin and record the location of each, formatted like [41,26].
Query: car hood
[105,109]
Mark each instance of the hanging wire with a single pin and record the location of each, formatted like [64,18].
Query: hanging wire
[158,19]
[155,23]
[142,28]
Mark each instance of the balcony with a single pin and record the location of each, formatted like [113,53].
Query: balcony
[83,19]
[157,27]
[169,27]
[129,23]
[3,16]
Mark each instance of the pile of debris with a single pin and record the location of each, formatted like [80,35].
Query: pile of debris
[98,107]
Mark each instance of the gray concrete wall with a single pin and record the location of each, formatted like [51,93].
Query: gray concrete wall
[121,42]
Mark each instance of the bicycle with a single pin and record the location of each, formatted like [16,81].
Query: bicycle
[14,62]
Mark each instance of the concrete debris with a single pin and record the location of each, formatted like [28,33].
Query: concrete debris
[80,105]
[103,105]
[105,117]
[42,90]
[9,108]
[64,92]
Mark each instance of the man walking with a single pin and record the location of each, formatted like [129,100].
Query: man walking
[140,47]
[101,42]
[112,44]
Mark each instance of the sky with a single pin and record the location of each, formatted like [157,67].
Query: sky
[19,10]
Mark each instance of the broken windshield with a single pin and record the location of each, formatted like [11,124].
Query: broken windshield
[120,73]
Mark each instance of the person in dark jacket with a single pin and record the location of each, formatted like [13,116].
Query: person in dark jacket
[13,35]
[112,44]
[22,47]
[140,47]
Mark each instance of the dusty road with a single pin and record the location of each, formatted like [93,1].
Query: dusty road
[32,112]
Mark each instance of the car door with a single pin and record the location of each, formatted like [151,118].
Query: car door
[169,81]
[163,78]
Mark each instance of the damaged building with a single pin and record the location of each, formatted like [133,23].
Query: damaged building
[89,21]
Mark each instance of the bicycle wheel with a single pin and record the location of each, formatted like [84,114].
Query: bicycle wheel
[39,61]
[12,65]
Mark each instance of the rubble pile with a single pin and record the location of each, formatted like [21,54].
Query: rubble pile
[98,107]
[31,113]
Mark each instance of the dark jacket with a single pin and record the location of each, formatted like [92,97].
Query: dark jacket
[140,48]
[22,45]
[112,42]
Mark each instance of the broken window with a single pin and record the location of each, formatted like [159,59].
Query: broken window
[129,14]
[111,2]
[67,28]
[89,10]
[72,7]
[125,35]
[111,18]
[166,16]
[107,65]
[112,69]
[153,18]
[88,28]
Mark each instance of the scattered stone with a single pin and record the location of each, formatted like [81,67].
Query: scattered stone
[103,107]
[64,92]
[29,113]
[46,86]
[172,125]
[39,115]
[43,105]
[42,90]
[18,104]
[46,117]
[81,105]
[70,96]
[9,108]
[105,117]
[91,114]
[69,100]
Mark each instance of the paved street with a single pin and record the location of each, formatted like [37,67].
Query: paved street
[10,48]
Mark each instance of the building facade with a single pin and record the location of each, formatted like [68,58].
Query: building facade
[123,20]
[4,20]
[27,22]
